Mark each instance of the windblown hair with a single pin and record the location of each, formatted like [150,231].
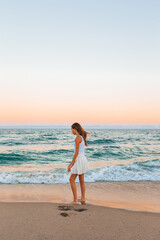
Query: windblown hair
[81,131]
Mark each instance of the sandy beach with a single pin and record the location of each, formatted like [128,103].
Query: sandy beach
[43,221]
[44,212]
[138,196]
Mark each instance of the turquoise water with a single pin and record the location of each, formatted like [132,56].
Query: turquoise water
[42,155]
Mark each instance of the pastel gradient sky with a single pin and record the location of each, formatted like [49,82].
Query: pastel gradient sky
[95,62]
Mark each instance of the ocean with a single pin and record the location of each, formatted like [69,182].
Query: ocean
[42,155]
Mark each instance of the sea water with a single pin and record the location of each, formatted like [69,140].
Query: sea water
[42,155]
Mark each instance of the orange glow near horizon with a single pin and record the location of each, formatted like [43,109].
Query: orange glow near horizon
[86,115]
[93,63]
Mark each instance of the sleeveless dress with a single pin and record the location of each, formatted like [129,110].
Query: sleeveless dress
[81,163]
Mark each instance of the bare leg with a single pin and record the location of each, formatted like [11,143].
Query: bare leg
[82,183]
[73,186]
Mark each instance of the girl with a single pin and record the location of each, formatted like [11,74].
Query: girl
[79,164]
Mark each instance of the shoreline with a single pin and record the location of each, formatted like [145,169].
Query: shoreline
[48,221]
[133,196]
[114,211]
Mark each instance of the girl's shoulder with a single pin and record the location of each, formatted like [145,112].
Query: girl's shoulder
[78,138]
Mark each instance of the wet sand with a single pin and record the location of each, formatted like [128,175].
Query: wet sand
[44,212]
[143,196]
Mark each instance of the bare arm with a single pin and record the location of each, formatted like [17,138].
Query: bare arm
[77,141]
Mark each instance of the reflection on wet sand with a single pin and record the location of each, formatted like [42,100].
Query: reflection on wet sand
[139,196]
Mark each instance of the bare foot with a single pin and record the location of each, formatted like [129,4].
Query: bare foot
[82,201]
[75,202]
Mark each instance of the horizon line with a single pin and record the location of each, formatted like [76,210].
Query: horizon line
[99,126]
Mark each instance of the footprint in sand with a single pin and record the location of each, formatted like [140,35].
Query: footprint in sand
[67,208]
[64,214]
[80,209]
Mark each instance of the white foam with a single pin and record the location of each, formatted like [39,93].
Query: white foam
[121,172]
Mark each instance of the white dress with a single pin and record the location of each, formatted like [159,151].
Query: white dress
[81,163]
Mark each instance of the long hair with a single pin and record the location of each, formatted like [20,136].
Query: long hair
[81,131]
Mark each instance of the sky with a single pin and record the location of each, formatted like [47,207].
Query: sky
[92,62]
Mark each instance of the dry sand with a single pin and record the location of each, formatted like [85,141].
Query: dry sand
[51,217]
[43,221]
